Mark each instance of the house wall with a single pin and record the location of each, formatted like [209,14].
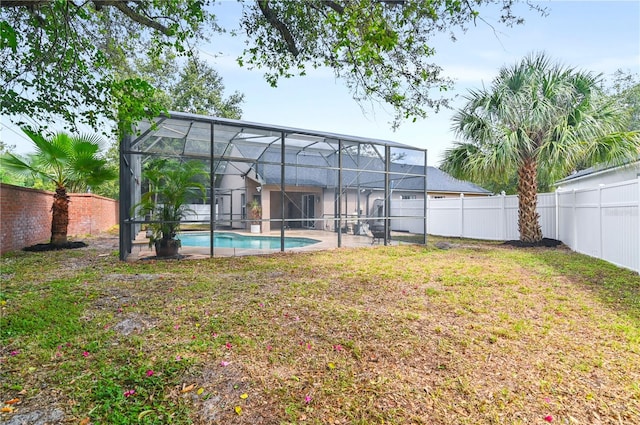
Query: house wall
[370,202]
[25,216]
[610,176]
[293,205]
[348,207]
[328,209]
[229,197]
[354,205]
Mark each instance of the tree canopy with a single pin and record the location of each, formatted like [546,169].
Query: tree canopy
[622,88]
[58,56]
[71,163]
[625,89]
[538,118]
[56,62]
[199,90]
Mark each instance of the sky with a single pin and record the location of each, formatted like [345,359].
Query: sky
[596,36]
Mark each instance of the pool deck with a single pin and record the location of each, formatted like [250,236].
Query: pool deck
[328,240]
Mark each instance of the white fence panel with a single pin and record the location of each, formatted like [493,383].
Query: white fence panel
[511,217]
[566,218]
[602,222]
[587,222]
[444,217]
[483,218]
[403,210]
[198,212]
[491,217]
[621,224]
[547,210]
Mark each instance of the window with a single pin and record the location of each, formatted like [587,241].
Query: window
[439,197]
[407,196]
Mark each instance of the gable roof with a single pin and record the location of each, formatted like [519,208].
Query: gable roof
[439,181]
[596,169]
[306,171]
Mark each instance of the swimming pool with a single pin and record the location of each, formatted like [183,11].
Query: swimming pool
[235,240]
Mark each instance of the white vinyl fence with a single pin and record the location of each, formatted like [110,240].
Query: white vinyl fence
[493,218]
[602,222]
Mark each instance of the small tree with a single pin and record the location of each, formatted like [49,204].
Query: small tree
[70,163]
[171,186]
[538,117]
[255,211]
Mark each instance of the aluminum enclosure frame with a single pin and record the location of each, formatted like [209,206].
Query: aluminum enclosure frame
[273,163]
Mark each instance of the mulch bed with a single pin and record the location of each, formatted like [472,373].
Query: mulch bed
[545,242]
[42,247]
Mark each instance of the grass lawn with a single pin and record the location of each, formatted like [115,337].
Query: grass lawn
[476,334]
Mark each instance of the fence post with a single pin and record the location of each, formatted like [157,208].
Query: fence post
[503,216]
[462,215]
[428,220]
[557,210]
[575,223]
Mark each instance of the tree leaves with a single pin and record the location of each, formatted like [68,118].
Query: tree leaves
[60,58]
[541,120]
[66,161]
[8,36]
[200,90]
[380,49]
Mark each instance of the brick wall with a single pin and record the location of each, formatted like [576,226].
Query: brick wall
[25,216]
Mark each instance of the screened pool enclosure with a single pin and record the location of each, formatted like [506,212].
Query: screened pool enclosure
[272,180]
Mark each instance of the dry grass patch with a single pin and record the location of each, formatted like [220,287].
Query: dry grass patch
[475,334]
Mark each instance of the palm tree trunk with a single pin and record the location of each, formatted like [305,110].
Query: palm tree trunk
[528,217]
[60,217]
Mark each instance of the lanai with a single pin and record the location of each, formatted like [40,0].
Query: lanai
[243,159]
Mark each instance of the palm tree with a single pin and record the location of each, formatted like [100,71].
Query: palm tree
[172,185]
[538,120]
[71,163]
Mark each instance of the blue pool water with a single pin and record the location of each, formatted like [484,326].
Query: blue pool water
[235,240]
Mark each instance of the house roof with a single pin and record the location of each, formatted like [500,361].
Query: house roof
[598,168]
[307,171]
[439,181]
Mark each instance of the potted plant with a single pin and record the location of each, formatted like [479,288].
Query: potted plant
[171,185]
[255,214]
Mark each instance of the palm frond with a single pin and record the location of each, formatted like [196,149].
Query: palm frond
[16,165]
[67,161]
[538,109]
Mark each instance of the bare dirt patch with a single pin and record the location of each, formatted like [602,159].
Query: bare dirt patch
[136,323]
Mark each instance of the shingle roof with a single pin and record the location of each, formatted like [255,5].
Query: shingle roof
[402,177]
[439,181]
[591,170]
